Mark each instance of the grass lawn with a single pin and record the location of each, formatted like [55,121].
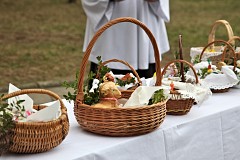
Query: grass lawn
[42,40]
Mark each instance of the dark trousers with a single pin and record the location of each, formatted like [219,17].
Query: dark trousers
[147,73]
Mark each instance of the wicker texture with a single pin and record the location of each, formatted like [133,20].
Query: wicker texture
[119,121]
[211,36]
[179,106]
[125,93]
[223,56]
[5,141]
[34,137]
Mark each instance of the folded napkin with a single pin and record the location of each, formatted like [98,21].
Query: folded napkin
[50,112]
[142,94]
[28,103]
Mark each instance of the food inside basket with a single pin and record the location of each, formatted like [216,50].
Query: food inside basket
[110,94]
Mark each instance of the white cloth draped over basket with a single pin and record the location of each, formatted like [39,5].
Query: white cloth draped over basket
[51,112]
[125,41]
[198,92]
[226,79]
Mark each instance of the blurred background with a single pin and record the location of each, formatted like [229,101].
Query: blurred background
[41,41]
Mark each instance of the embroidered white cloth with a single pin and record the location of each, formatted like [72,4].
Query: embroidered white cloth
[226,79]
[198,92]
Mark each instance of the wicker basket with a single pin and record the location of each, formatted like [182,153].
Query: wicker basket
[222,57]
[196,51]
[179,106]
[5,142]
[125,93]
[34,137]
[119,121]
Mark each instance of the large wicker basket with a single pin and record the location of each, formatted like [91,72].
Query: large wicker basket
[179,106]
[119,121]
[221,57]
[213,50]
[34,137]
[124,93]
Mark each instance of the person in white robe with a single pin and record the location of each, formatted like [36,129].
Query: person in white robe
[127,41]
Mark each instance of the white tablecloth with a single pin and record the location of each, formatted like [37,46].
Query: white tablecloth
[208,132]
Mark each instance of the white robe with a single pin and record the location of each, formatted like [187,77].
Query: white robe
[126,41]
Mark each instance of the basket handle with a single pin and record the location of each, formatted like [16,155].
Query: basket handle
[39,91]
[181,61]
[224,52]
[123,62]
[80,94]
[211,36]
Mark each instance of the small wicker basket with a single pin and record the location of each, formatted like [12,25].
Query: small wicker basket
[35,137]
[179,106]
[222,57]
[216,50]
[119,121]
[125,93]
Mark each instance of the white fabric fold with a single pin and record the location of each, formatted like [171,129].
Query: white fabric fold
[224,79]
[142,94]
[49,113]
[198,91]
[28,102]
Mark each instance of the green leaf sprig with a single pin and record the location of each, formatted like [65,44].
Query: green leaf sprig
[7,116]
[123,83]
[158,96]
[89,97]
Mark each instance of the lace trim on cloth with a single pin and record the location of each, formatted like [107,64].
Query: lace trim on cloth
[198,92]
[226,79]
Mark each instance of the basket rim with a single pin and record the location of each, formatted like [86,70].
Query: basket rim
[39,91]
[123,108]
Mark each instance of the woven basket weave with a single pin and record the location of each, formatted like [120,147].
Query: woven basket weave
[124,93]
[34,137]
[211,38]
[119,121]
[179,106]
[223,58]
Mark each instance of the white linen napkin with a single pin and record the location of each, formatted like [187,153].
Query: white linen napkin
[51,112]
[142,94]
[28,103]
